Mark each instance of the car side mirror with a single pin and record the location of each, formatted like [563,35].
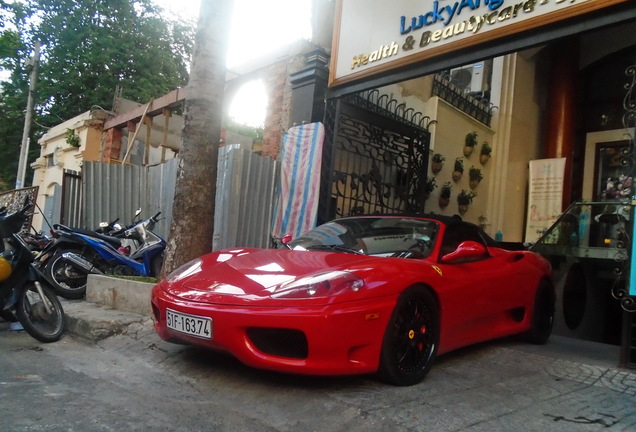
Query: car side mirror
[286,239]
[468,250]
[282,241]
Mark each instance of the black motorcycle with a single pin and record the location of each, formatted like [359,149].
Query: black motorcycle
[24,293]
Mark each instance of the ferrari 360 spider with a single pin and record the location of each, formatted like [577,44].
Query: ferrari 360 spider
[369,294]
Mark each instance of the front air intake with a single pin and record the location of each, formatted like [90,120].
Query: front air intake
[289,343]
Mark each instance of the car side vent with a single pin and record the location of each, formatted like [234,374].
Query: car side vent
[517,257]
[289,343]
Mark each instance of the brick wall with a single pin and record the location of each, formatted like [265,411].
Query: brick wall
[276,78]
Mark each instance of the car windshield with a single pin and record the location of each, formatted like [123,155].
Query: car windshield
[380,236]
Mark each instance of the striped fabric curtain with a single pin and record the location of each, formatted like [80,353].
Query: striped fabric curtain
[297,204]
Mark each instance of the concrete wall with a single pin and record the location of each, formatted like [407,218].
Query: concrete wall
[56,155]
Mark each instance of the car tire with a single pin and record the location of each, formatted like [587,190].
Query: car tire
[411,338]
[542,315]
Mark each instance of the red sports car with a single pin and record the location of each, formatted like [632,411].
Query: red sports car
[359,295]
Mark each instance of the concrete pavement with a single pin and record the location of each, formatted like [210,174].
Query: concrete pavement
[506,385]
[113,305]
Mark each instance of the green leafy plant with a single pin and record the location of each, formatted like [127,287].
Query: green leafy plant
[471,139]
[445,190]
[438,157]
[475,174]
[484,153]
[465,197]
[430,185]
[72,138]
[469,143]
[475,177]
[437,163]
[458,170]
[444,195]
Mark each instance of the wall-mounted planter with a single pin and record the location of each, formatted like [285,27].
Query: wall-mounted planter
[437,163]
[444,195]
[469,143]
[484,153]
[475,177]
[464,200]
[458,170]
[429,186]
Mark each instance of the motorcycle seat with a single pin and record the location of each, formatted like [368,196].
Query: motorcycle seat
[114,241]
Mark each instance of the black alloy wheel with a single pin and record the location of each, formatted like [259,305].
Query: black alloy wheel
[411,338]
[42,317]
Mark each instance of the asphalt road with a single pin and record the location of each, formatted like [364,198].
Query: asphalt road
[135,382]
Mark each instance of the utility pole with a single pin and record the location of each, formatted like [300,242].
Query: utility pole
[24,149]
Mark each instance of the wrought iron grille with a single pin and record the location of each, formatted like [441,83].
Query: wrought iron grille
[375,157]
[479,108]
[619,290]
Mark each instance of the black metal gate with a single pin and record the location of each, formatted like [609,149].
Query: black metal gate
[375,157]
[623,291]
[71,199]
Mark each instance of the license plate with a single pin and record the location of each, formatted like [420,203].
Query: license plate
[189,324]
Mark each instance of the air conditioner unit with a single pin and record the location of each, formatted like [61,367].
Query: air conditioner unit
[472,78]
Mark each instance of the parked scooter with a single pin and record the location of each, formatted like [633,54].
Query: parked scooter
[36,241]
[24,295]
[76,253]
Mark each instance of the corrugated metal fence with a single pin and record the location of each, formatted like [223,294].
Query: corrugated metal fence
[244,198]
[116,191]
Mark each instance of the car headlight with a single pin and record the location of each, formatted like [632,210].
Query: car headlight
[320,285]
[188,269]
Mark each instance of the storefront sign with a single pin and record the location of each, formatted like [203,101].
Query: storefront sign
[545,196]
[373,36]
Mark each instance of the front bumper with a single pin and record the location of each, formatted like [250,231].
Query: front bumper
[339,339]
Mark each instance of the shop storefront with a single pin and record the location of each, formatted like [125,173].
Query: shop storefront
[441,106]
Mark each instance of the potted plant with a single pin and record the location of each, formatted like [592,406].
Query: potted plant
[429,186]
[475,176]
[458,170]
[469,143]
[437,163]
[444,195]
[464,199]
[484,153]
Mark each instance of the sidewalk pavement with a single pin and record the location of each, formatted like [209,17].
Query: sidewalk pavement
[111,305]
[111,309]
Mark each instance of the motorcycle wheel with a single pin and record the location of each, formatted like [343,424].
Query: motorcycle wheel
[8,316]
[46,324]
[67,280]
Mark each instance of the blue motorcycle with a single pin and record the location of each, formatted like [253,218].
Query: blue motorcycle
[76,253]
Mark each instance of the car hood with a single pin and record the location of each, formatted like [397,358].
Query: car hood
[237,276]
